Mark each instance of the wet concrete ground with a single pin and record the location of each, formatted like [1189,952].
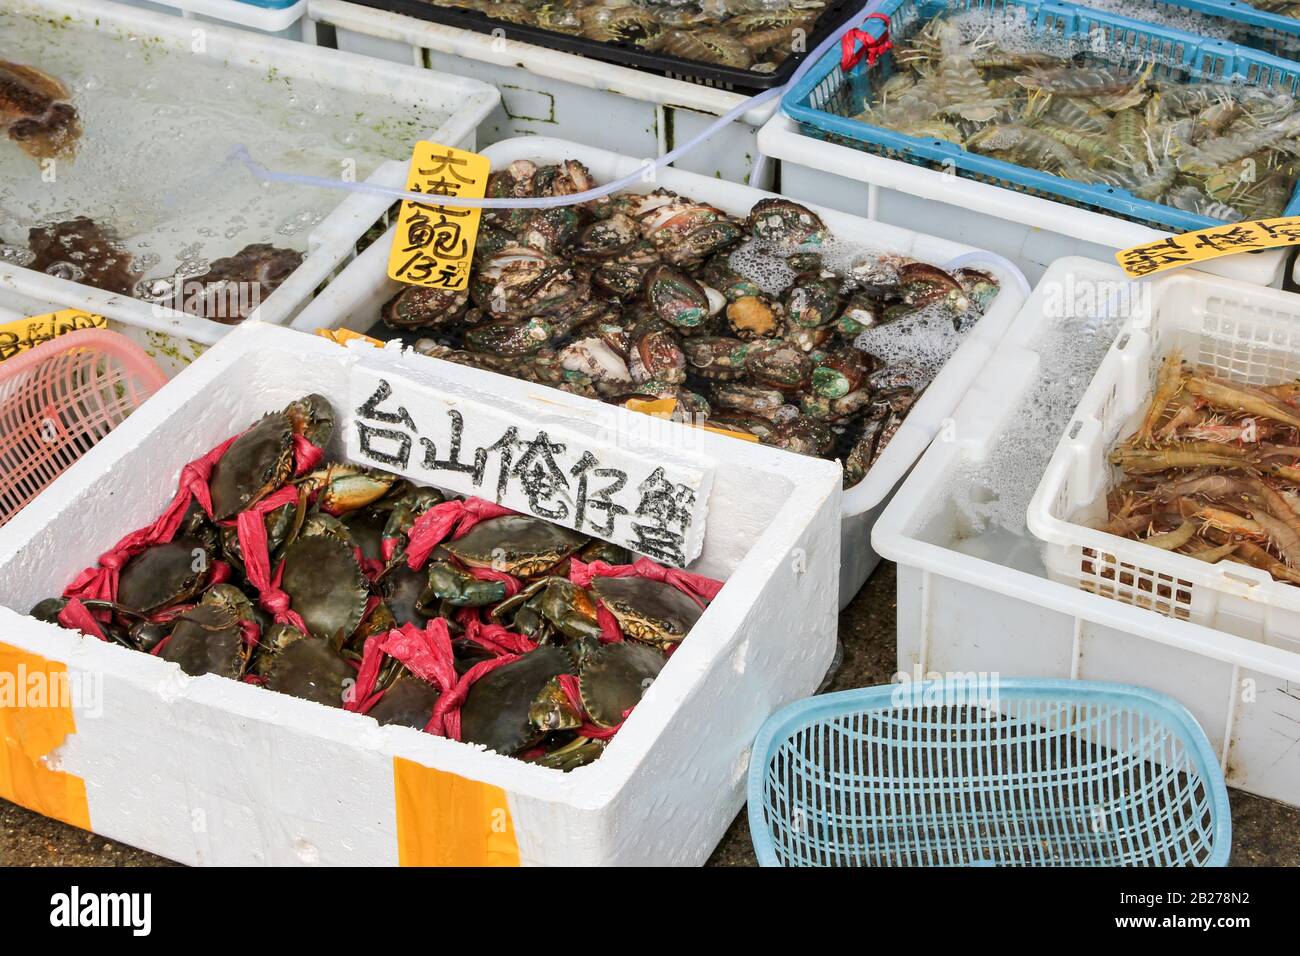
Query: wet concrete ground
[1264,833]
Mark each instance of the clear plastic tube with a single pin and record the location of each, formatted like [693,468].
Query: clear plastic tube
[993,259]
[240,153]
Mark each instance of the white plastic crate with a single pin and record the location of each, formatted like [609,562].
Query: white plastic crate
[174,338]
[1245,334]
[208,770]
[353,301]
[549,93]
[1030,231]
[975,598]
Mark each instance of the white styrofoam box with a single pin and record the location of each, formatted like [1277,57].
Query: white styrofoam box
[974,599]
[174,338]
[550,93]
[1244,334]
[208,770]
[353,301]
[1030,231]
[284,20]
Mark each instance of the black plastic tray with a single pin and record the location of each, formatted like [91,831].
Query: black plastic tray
[627,54]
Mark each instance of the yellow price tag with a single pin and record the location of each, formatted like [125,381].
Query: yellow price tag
[664,408]
[434,245]
[25,334]
[1193,247]
[344,336]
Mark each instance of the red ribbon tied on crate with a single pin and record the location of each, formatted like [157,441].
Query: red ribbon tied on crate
[872,49]
[454,518]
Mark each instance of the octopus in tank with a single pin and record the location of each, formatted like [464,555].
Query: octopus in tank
[36,113]
[83,251]
[233,287]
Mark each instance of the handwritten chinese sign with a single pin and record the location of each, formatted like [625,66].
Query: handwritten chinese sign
[434,244]
[25,334]
[647,501]
[1193,247]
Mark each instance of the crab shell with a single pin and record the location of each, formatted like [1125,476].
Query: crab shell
[325,585]
[496,711]
[261,459]
[163,575]
[408,702]
[308,668]
[516,544]
[647,610]
[615,678]
[402,589]
[207,639]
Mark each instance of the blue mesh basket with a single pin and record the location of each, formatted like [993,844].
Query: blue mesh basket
[999,772]
[1271,32]
[826,100]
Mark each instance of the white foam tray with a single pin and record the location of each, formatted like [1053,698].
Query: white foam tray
[962,613]
[353,301]
[1244,334]
[208,770]
[171,337]
[1031,231]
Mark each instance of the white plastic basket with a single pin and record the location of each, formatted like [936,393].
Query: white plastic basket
[1245,334]
[554,94]
[353,301]
[974,599]
[174,338]
[1030,231]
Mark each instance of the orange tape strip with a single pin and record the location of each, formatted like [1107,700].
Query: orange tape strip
[446,820]
[28,733]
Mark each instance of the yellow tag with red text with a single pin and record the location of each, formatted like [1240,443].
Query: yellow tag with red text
[1193,247]
[434,244]
[25,334]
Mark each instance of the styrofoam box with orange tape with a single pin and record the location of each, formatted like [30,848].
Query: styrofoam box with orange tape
[208,770]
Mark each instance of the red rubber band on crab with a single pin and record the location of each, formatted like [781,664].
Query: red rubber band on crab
[872,49]
[454,518]
[697,587]
[445,721]
[100,583]
[496,639]
[77,617]
[426,653]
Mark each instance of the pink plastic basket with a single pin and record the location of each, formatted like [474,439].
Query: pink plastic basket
[58,400]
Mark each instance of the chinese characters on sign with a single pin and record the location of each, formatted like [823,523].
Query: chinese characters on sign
[631,497]
[434,244]
[26,334]
[1211,243]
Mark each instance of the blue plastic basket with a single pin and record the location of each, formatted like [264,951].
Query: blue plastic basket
[825,101]
[1271,32]
[968,772]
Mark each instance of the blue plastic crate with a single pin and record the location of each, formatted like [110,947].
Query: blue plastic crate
[1271,32]
[825,101]
[967,772]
